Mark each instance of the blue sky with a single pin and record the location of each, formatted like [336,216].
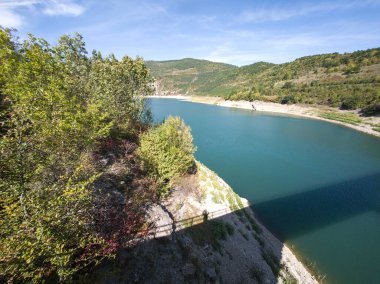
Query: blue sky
[237,31]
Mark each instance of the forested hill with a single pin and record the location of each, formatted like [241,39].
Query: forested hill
[349,80]
[201,77]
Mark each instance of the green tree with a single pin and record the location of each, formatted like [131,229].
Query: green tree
[120,87]
[167,151]
[8,64]
[48,205]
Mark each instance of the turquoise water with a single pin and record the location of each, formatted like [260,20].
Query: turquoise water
[315,185]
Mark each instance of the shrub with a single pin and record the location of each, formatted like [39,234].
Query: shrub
[211,232]
[219,230]
[48,235]
[230,229]
[257,274]
[351,102]
[167,151]
[288,99]
[288,85]
[272,261]
[372,109]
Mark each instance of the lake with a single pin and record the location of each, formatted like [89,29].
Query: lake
[315,185]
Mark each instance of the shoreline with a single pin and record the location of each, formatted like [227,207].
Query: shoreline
[304,111]
[291,260]
[263,242]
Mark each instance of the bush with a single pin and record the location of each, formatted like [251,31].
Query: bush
[288,85]
[167,151]
[351,102]
[230,229]
[211,232]
[273,262]
[288,99]
[257,274]
[219,230]
[373,109]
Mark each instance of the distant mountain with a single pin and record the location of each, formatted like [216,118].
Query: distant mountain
[350,80]
[194,76]
[201,77]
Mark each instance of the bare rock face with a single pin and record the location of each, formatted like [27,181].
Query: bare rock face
[158,216]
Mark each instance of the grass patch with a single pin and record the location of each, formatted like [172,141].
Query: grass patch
[257,274]
[234,201]
[211,232]
[342,117]
[230,229]
[217,197]
[272,261]
[377,128]
[216,183]
[244,235]
[253,223]
[289,279]
[259,239]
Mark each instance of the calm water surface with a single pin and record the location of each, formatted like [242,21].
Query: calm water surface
[316,185]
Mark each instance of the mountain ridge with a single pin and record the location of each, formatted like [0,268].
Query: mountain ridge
[348,81]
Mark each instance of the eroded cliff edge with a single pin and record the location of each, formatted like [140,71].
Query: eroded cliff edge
[205,233]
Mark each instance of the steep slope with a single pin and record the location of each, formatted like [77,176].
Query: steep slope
[229,246]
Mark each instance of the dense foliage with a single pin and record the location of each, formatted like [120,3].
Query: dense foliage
[348,81]
[63,114]
[168,151]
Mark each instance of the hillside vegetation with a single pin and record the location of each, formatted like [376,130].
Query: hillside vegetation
[347,81]
[200,77]
[75,183]
[84,174]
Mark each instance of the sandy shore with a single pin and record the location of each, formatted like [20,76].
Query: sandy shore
[307,111]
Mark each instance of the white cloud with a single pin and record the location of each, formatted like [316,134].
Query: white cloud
[10,14]
[64,8]
[8,18]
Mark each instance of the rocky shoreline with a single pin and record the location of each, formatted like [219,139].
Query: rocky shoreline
[251,254]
